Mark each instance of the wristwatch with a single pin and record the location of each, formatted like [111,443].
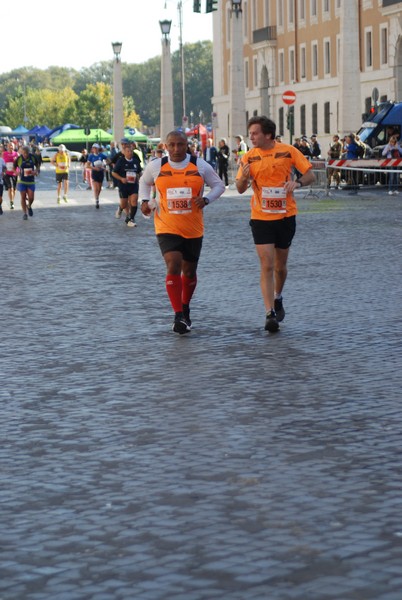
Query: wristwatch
[206,201]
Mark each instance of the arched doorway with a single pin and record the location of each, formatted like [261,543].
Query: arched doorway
[264,91]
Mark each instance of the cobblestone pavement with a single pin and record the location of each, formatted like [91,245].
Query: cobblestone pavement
[226,464]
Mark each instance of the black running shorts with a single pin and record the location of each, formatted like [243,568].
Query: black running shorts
[10,182]
[279,232]
[127,189]
[190,248]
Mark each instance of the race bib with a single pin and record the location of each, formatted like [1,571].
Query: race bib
[61,165]
[131,176]
[10,166]
[28,172]
[179,200]
[273,200]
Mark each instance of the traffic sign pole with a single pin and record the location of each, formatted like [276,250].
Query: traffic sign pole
[289,98]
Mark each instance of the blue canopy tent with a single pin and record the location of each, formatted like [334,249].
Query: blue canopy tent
[19,132]
[32,132]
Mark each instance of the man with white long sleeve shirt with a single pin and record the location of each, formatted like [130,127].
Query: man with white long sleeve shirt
[179,181]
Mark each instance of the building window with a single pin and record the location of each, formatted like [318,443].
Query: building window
[291,65]
[245,20]
[325,6]
[255,72]
[314,119]
[303,119]
[280,13]
[281,67]
[338,52]
[303,62]
[327,118]
[253,14]
[369,49]
[246,81]
[313,8]
[327,57]
[266,12]
[384,45]
[291,12]
[302,10]
[314,59]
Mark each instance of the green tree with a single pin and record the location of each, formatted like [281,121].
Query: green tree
[93,106]
[35,107]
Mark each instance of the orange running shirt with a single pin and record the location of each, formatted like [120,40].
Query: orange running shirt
[176,212]
[269,170]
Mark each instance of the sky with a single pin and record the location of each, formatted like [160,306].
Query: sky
[78,34]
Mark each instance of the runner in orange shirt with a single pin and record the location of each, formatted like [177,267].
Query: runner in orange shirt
[269,165]
[178,217]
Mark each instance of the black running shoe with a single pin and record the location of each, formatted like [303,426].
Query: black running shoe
[279,310]
[180,325]
[186,314]
[97,204]
[30,211]
[271,322]
[1,210]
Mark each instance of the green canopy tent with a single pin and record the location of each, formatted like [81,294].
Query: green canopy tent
[76,139]
[135,136]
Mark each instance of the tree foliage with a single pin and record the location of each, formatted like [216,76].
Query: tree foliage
[60,95]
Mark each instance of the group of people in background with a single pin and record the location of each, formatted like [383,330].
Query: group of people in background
[19,165]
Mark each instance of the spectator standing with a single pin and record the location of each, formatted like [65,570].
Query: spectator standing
[83,161]
[223,160]
[241,148]
[392,150]
[334,152]
[305,148]
[210,154]
[315,147]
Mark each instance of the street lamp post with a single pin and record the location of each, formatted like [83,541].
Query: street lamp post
[118,115]
[166,115]
[237,103]
[183,82]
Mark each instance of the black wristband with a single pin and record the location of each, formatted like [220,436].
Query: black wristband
[298,181]
[142,201]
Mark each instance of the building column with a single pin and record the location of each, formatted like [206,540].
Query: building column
[350,108]
[118,113]
[167,115]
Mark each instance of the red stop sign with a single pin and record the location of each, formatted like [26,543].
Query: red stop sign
[289,97]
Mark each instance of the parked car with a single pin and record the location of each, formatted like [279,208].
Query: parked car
[48,152]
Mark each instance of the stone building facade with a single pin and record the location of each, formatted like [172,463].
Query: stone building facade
[334,54]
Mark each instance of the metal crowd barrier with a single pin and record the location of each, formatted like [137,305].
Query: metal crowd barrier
[364,172]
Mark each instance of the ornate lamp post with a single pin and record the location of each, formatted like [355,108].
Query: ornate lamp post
[118,115]
[166,115]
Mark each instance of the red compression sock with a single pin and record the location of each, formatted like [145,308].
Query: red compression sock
[188,288]
[174,291]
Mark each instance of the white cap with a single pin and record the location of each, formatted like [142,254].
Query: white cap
[62,148]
